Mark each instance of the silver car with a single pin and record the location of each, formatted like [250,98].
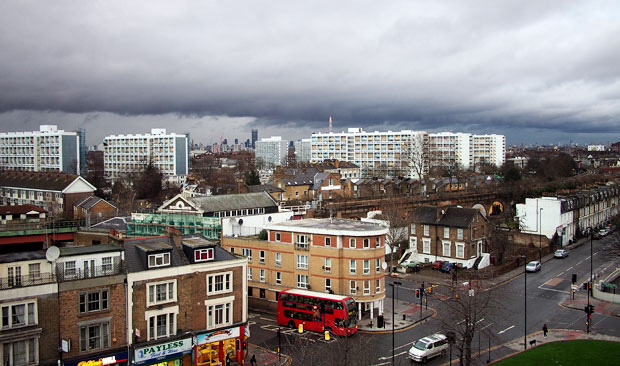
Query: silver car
[533,266]
[561,253]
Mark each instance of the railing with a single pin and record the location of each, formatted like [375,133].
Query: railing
[26,280]
[302,246]
[70,274]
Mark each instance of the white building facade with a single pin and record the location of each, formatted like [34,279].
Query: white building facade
[272,151]
[169,152]
[48,149]
[303,150]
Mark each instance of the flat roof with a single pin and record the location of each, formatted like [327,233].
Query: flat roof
[198,241]
[331,227]
[88,249]
[323,295]
[154,245]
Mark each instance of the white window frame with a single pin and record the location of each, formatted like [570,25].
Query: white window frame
[167,284]
[261,256]
[171,313]
[378,265]
[302,261]
[278,259]
[366,266]
[426,245]
[103,304]
[107,265]
[446,232]
[367,287]
[104,336]
[328,241]
[261,277]
[278,237]
[301,239]
[426,230]
[352,243]
[378,285]
[30,317]
[460,250]
[198,254]
[278,278]
[249,273]
[213,282]
[366,243]
[352,266]
[328,284]
[446,244]
[302,281]
[459,234]
[413,229]
[154,258]
[247,252]
[328,265]
[353,287]
[70,268]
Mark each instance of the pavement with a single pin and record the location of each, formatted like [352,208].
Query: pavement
[265,357]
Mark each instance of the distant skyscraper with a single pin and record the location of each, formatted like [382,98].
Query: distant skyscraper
[48,149]
[254,138]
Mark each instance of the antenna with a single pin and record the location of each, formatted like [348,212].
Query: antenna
[330,124]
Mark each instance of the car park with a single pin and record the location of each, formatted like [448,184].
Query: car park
[561,253]
[428,347]
[533,266]
[436,265]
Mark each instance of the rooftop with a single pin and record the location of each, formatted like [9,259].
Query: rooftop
[343,226]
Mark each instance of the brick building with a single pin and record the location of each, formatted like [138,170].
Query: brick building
[93,209]
[181,288]
[331,255]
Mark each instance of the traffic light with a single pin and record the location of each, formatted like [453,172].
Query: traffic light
[417,293]
[574,278]
[589,309]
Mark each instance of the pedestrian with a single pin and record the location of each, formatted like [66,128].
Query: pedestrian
[253,360]
[545,330]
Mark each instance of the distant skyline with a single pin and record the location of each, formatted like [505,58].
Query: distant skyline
[544,72]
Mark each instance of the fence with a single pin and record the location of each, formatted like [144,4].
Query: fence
[26,280]
[65,273]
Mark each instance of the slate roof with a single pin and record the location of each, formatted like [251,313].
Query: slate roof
[90,201]
[53,181]
[450,216]
[20,209]
[22,256]
[318,180]
[88,249]
[228,202]
[116,223]
[265,188]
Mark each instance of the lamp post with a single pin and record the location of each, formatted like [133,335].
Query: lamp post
[589,314]
[525,302]
[393,284]
[540,234]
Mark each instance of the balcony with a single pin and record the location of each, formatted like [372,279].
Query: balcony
[70,274]
[302,246]
[26,280]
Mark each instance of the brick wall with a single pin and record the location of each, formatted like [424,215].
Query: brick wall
[47,306]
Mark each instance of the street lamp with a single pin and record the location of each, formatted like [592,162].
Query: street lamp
[589,314]
[393,284]
[540,234]
[525,302]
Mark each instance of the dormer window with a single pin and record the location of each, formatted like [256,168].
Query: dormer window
[159,260]
[202,255]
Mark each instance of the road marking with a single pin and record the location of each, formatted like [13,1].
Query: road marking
[569,268]
[390,356]
[266,319]
[507,329]
[486,326]
[551,289]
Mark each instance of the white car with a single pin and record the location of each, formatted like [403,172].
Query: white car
[533,266]
[561,253]
[428,347]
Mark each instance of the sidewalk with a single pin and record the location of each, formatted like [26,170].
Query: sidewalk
[266,357]
[405,315]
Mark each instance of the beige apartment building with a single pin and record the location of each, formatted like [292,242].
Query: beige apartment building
[338,256]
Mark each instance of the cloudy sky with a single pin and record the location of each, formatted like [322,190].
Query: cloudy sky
[536,71]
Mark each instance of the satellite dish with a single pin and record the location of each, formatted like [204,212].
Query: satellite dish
[240,221]
[52,253]
[384,265]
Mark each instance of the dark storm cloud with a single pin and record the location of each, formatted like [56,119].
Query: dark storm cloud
[484,66]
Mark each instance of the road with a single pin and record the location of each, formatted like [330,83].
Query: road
[546,290]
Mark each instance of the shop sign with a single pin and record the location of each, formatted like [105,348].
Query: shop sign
[102,361]
[162,350]
[219,335]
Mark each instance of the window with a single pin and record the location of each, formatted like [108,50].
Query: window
[377,285]
[201,255]
[159,260]
[161,292]
[413,229]
[353,287]
[459,234]
[261,257]
[15,276]
[262,275]
[446,232]
[351,243]
[328,242]
[22,352]
[302,261]
[352,266]
[249,273]
[94,301]
[219,283]
[70,269]
[248,253]
[161,325]
[278,278]
[278,259]
[106,265]
[366,264]
[220,314]
[366,287]
[377,242]
[426,245]
[426,230]
[460,250]
[446,248]
[328,284]
[366,243]
[378,265]
[302,281]
[34,271]
[328,265]
[278,237]
[19,315]
[301,239]
[94,336]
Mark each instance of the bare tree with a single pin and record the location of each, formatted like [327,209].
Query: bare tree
[308,349]
[398,220]
[415,157]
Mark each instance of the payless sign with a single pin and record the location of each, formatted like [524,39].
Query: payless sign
[162,350]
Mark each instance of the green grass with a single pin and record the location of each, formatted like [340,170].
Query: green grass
[582,352]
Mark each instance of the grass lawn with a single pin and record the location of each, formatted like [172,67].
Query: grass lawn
[568,353]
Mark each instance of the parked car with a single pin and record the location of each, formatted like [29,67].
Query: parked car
[428,347]
[533,266]
[436,265]
[561,253]
[447,267]
[597,235]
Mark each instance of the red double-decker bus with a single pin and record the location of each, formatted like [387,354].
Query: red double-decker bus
[318,311]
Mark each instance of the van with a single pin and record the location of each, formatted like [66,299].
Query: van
[428,347]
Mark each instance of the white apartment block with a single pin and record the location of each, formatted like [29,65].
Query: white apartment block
[448,149]
[48,149]
[272,151]
[369,150]
[123,154]
[303,150]
[596,147]
[490,149]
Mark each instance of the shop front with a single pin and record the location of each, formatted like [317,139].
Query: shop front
[104,359]
[212,348]
[163,354]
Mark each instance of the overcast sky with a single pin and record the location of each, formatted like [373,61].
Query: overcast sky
[536,71]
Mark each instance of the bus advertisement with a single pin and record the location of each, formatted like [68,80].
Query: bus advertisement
[318,311]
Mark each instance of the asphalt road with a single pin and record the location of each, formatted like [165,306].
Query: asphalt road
[544,290]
